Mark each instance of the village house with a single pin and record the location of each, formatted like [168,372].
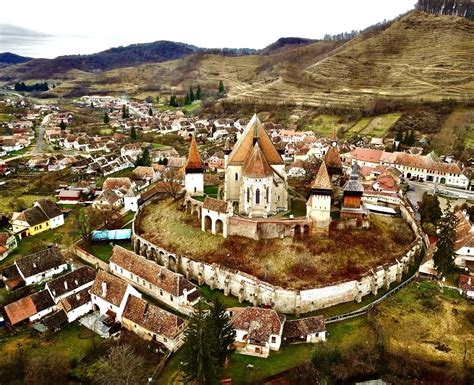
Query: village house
[44,215]
[31,308]
[108,198]
[162,284]
[305,330]
[466,286]
[69,196]
[464,245]
[423,168]
[34,268]
[257,330]
[109,295]
[71,283]
[153,324]
[8,243]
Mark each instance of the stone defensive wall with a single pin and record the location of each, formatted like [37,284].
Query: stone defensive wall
[249,288]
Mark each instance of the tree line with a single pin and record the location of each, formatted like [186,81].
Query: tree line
[463,8]
[21,86]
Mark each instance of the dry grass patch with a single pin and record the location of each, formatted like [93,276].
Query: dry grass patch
[295,263]
[433,329]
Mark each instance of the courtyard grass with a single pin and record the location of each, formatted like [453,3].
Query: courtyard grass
[227,301]
[103,250]
[74,341]
[288,262]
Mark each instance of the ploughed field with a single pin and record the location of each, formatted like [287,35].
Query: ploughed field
[291,263]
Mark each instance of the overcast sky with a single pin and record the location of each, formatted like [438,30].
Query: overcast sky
[49,28]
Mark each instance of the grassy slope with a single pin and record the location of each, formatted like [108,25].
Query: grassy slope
[417,56]
[460,124]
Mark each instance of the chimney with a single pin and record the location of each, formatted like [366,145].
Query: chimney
[104,289]
[65,285]
[146,308]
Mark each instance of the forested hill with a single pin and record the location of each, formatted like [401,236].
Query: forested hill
[8,58]
[118,57]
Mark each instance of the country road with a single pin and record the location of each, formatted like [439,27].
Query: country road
[40,138]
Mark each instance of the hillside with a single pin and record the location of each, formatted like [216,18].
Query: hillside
[8,58]
[419,56]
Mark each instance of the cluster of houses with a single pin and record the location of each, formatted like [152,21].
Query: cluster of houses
[107,301]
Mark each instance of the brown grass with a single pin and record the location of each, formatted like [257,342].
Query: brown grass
[296,263]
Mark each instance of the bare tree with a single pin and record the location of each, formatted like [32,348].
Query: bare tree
[89,219]
[122,366]
[171,183]
[47,369]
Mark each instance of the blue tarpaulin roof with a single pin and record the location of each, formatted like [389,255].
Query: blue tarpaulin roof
[111,235]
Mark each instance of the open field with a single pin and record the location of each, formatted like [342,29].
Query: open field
[7,203]
[294,263]
[326,125]
[376,126]
[444,323]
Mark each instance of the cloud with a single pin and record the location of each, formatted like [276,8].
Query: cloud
[14,38]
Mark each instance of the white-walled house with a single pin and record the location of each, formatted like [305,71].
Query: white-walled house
[464,245]
[305,330]
[257,330]
[466,286]
[152,323]
[77,304]
[31,308]
[162,284]
[109,295]
[71,283]
[39,266]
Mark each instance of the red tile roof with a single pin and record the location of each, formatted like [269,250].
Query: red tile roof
[244,145]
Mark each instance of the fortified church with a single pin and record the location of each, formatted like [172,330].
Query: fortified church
[255,191]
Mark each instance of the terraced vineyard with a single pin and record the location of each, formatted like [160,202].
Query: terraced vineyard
[416,57]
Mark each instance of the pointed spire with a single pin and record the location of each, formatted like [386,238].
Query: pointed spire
[194,163]
[322,180]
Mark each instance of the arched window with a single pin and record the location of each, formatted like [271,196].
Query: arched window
[257,196]
[267,198]
[248,195]
[236,176]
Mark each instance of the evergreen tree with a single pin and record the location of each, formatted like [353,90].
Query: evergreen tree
[158,99]
[399,137]
[430,210]
[187,100]
[125,112]
[173,101]
[144,159]
[411,138]
[221,87]
[62,125]
[92,105]
[444,255]
[199,364]
[106,118]
[222,331]
[150,112]
[198,93]
[133,134]
[191,95]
